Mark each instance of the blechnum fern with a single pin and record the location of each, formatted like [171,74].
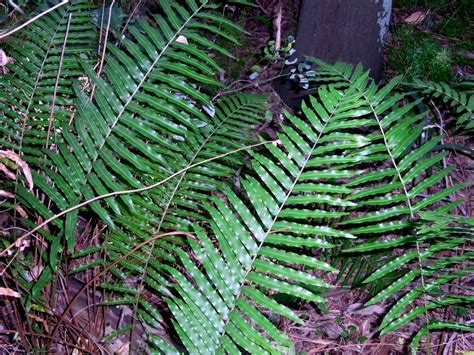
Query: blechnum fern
[350,167]
[462,100]
[348,177]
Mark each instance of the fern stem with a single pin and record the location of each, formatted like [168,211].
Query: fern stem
[104,46]
[412,214]
[408,201]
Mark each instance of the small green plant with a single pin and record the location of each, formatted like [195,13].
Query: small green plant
[420,55]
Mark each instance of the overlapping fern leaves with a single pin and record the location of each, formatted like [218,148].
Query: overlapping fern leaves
[350,168]
[350,173]
[390,200]
[148,117]
[187,193]
[461,99]
[29,92]
[128,135]
[265,243]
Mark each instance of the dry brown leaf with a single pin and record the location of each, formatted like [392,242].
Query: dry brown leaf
[6,194]
[21,211]
[21,163]
[415,18]
[8,292]
[357,308]
[124,349]
[7,172]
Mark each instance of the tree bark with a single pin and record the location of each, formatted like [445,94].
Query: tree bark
[351,31]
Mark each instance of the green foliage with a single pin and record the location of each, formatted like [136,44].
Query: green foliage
[462,100]
[29,85]
[347,179]
[419,55]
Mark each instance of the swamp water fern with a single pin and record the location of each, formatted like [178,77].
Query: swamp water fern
[349,176]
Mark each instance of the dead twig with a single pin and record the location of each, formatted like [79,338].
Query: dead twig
[104,46]
[18,242]
[56,84]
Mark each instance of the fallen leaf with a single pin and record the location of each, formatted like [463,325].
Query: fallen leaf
[21,211]
[21,163]
[124,349]
[331,329]
[9,292]
[415,18]
[357,308]
[182,39]
[6,194]
[7,172]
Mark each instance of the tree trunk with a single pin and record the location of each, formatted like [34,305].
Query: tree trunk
[351,31]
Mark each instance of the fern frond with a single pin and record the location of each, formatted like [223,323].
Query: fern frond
[436,325]
[28,88]
[128,136]
[461,101]
[263,244]
[231,128]
[390,204]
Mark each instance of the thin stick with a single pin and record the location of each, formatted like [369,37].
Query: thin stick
[53,104]
[18,242]
[278,26]
[4,35]
[104,46]
[129,17]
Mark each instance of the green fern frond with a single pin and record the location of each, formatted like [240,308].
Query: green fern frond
[390,203]
[150,116]
[462,101]
[263,244]
[28,88]
[231,128]
[436,325]
[351,168]
[128,136]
